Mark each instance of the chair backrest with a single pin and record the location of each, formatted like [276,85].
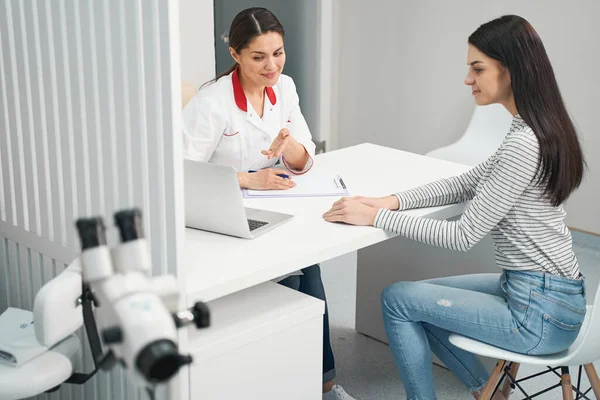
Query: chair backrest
[586,348]
[484,134]
[58,298]
[187,92]
[492,122]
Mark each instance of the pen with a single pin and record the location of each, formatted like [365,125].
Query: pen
[284,176]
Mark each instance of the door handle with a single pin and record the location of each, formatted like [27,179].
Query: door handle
[225,37]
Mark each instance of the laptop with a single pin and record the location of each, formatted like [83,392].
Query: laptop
[213,202]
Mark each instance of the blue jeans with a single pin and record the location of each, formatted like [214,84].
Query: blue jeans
[310,283]
[525,312]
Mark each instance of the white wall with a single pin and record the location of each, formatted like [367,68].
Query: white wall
[197,41]
[402,66]
[86,128]
[197,65]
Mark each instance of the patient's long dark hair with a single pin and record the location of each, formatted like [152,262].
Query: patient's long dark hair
[247,25]
[515,44]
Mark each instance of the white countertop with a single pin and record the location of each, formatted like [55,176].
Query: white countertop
[218,265]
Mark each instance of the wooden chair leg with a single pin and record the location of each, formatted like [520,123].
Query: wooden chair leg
[565,381]
[507,388]
[593,377]
[488,390]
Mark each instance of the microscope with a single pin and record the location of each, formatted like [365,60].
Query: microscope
[130,317]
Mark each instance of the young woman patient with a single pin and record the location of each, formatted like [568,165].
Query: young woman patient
[537,304]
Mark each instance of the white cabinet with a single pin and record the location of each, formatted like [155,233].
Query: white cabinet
[264,343]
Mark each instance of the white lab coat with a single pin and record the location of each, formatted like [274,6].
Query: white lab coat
[221,126]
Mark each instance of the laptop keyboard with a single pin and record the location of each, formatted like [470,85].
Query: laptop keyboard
[254,224]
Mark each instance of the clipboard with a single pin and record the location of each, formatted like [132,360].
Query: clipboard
[311,185]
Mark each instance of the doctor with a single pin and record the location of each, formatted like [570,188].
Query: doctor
[249,118]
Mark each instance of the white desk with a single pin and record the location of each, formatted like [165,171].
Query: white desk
[219,265]
[234,274]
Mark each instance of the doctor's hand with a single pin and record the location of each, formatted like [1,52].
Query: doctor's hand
[351,211]
[265,179]
[281,142]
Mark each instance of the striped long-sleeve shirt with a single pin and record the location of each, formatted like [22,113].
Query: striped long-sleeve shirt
[506,200]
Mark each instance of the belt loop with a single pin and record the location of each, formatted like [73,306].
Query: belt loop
[546,282]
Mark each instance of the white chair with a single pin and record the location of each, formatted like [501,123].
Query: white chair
[42,374]
[583,352]
[485,133]
[56,316]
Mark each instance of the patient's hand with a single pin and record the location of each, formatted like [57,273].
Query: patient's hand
[387,202]
[351,211]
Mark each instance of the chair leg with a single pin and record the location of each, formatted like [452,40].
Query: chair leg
[593,377]
[565,381]
[507,388]
[490,386]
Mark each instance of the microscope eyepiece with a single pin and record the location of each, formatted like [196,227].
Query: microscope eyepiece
[92,232]
[129,223]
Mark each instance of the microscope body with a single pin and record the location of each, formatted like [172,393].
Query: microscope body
[129,316]
[136,313]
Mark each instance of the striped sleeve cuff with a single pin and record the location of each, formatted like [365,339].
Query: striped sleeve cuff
[388,220]
[378,218]
[402,201]
[412,198]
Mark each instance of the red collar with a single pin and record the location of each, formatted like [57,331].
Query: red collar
[240,96]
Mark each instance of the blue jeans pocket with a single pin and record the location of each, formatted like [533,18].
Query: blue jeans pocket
[561,318]
[518,297]
[556,336]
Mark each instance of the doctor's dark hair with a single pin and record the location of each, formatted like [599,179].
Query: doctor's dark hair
[512,41]
[247,25]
